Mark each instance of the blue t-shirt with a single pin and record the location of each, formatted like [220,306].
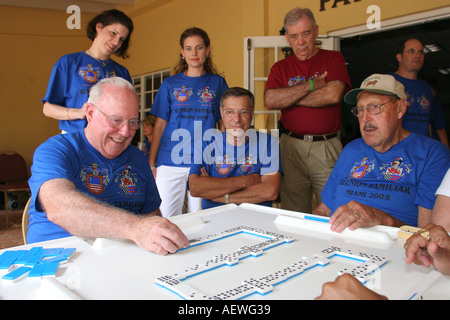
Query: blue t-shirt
[397,181]
[190,105]
[125,182]
[260,154]
[147,146]
[419,100]
[70,80]
[437,119]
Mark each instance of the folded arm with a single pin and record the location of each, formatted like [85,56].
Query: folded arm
[251,188]
[332,93]
[267,190]
[322,95]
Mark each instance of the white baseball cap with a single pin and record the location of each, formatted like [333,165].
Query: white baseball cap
[378,83]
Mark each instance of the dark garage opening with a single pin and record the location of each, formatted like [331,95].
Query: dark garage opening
[375,53]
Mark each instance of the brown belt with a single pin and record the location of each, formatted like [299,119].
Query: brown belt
[308,137]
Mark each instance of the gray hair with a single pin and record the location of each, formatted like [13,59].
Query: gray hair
[296,14]
[238,92]
[96,91]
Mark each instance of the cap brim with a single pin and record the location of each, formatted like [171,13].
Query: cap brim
[352,96]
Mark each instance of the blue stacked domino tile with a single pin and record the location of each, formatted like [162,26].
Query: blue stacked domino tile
[34,263]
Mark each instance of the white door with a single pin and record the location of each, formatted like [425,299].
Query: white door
[260,54]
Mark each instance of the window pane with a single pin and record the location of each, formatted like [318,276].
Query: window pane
[146,87]
[166,74]
[148,83]
[148,100]
[157,81]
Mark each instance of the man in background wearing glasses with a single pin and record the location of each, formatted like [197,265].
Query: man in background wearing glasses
[390,175]
[238,165]
[93,184]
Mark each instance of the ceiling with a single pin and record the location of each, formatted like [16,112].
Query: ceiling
[85,5]
[375,53]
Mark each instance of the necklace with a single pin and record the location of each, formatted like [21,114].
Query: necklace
[103,62]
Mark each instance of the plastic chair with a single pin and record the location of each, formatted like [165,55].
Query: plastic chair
[13,176]
[25,221]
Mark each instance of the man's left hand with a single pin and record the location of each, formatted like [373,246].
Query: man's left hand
[354,215]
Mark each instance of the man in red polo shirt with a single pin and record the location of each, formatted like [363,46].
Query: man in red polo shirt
[307,87]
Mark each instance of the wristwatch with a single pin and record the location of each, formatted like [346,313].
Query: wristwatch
[227,198]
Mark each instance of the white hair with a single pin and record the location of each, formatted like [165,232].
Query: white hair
[97,90]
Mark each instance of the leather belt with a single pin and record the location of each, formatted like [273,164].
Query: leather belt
[308,137]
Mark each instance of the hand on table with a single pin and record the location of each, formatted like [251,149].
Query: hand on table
[354,215]
[159,235]
[432,251]
[347,287]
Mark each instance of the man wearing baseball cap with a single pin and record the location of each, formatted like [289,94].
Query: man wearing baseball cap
[390,175]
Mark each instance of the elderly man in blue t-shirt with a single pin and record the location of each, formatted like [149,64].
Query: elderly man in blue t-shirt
[390,175]
[92,183]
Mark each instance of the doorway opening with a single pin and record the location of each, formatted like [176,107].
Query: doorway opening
[375,53]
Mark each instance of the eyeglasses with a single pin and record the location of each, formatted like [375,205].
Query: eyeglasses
[117,122]
[242,113]
[371,108]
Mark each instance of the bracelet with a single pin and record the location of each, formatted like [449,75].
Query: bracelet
[312,85]
[153,167]
[67,112]
[227,198]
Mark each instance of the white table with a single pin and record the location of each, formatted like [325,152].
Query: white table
[118,269]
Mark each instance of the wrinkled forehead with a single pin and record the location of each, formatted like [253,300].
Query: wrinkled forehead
[237,102]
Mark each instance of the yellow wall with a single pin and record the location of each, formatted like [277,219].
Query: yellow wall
[155,41]
[347,15]
[32,40]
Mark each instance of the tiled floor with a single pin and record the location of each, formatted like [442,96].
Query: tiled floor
[11,236]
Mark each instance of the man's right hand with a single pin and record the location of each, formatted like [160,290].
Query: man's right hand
[159,235]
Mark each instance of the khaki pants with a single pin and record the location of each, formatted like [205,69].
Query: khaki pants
[306,167]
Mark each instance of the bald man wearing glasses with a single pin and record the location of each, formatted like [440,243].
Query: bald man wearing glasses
[93,184]
[390,175]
